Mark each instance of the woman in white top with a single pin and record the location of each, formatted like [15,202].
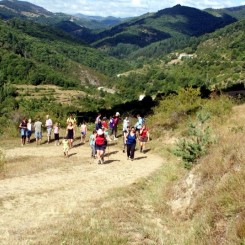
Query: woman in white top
[29,131]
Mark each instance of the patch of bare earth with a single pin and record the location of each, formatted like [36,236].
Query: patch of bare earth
[47,188]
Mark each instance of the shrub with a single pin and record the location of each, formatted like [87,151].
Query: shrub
[196,145]
[219,106]
[174,108]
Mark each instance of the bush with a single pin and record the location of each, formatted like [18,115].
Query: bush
[196,145]
[175,108]
[219,106]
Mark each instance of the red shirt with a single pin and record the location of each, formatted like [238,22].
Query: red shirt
[104,124]
[144,132]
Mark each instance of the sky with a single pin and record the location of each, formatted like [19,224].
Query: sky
[126,8]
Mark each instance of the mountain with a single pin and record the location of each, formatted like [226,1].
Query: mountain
[236,12]
[104,21]
[11,8]
[176,22]
[34,53]
[214,61]
[21,9]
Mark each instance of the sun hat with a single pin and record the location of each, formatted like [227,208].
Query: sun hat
[100,131]
[117,114]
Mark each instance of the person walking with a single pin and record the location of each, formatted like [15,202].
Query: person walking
[131,143]
[73,120]
[139,123]
[29,131]
[125,133]
[100,144]
[38,131]
[65,143]
[116,122]
[23,131]
[92,143]
[48,125]
[70,131]
[83,131]
[56,133]
[144,137]
[98,122]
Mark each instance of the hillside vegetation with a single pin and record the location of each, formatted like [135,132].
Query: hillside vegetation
[214,61]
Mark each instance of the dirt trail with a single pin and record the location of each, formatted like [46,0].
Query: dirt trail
[34,201]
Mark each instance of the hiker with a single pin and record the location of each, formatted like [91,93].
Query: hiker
[100,144]
[70,130]
[83,131]
[92,143]
[115,125]
[104,123]
[98,122]
[125,128]
[29,130]
[126,123]
[125,133]
[139,123]
[38,131]
[111,126]
[23,131]
[131,143]
[56,133]
[144,136]
[48,125]
[71,119]
[65,143]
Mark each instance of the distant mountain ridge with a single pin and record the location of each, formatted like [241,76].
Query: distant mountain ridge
[125,38]
[24,8]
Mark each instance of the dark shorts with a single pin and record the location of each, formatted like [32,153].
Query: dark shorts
[100,147]
[28,134]
[56,136]
[143,139]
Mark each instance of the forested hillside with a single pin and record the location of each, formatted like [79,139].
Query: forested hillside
[35,54]
[169,25]
[213,61]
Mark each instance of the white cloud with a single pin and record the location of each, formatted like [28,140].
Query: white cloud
[126,8]
[136,2]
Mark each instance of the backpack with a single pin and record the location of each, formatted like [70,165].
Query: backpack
[100,140]
[111,122]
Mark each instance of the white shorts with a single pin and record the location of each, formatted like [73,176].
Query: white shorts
[49,131]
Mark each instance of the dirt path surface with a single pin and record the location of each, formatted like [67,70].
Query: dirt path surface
[38,198]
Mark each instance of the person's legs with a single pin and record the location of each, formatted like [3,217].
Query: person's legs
[22,140]
[143,146]
[128,150]
[132,150]
[115,131]
[99,155]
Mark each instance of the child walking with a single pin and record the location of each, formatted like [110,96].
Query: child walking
[65,146]
[92,143]
[56,134]
[83,131]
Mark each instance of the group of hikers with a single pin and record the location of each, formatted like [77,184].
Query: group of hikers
[104,131]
